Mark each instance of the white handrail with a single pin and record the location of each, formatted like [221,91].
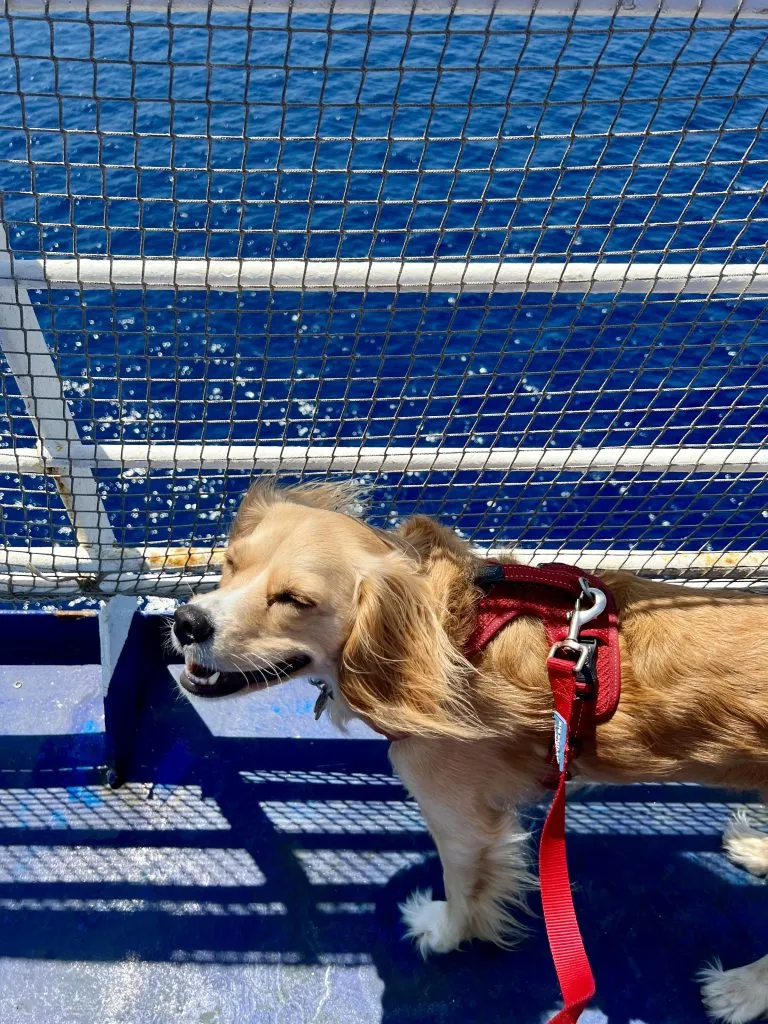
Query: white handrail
[160,570]
[80,459]
[474,275]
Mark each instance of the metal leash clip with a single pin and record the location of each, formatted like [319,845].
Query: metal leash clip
[583,651]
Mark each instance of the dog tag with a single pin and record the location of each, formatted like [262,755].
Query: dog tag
[561,739]
[323,697]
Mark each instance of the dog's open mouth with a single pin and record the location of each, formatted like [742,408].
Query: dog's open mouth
[204,682]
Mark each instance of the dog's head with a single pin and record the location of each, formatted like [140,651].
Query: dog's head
[308,589]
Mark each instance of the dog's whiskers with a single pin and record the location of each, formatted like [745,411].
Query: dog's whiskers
[259,665]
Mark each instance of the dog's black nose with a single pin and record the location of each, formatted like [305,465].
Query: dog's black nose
[191,625]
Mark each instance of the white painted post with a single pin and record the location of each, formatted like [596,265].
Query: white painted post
[42,391]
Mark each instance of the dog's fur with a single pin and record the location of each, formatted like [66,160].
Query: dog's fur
[384,617]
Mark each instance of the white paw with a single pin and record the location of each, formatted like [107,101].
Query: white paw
[735,996]
[745,846]
[429,922]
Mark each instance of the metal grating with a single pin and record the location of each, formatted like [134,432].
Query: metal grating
[504,264]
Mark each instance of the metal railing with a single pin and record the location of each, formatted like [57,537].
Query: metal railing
[503,261]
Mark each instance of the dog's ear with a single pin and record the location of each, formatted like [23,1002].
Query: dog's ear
[264,494]
[425,536]
[398,668]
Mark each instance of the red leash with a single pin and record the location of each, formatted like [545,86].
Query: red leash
[584,673]
[565,942]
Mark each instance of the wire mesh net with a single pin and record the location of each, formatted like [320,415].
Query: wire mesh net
[240,241]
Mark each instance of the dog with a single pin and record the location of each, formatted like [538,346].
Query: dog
[308,588]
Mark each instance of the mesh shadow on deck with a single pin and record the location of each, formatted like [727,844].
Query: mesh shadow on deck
[255,852]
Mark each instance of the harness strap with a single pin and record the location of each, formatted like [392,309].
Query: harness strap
[548,593]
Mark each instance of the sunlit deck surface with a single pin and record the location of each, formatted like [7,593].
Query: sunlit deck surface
[250,868]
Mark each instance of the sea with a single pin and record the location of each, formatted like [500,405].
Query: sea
[429,137]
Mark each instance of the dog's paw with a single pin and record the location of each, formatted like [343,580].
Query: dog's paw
[429,922]
[736,996]
[745,846]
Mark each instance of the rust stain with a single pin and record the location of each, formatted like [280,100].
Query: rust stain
[713,559]
[66,497]
[185,558]
[54,472]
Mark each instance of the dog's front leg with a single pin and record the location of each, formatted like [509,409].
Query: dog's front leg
[482,847]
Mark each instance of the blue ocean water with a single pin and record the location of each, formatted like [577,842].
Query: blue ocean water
[417,138]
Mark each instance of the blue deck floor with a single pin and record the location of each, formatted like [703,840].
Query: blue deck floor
[251,868]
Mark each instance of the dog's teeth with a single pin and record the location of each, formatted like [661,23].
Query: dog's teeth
[204,680]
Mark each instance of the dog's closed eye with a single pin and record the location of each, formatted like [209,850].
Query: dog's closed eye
[290,597]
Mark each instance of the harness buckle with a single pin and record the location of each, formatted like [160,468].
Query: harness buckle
[586,676]
[584,652]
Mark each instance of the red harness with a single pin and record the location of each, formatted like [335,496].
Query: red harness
[585,676]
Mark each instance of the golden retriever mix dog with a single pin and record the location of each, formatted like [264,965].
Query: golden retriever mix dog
[383,617]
